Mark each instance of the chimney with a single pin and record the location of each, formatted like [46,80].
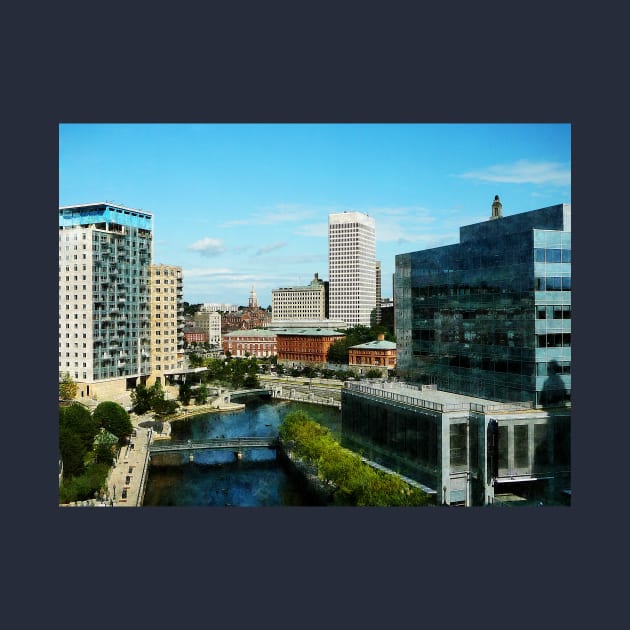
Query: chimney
[380,337]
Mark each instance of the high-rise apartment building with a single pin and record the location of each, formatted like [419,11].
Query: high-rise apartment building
[105,254]
[300,302]
[352,267]
[167,321]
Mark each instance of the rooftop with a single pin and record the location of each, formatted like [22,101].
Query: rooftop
[309,332]
[376,345]
[429,396]
[252,332]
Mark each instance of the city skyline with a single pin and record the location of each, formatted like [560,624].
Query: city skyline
[242,205]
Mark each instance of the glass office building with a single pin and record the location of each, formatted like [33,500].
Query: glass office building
[491,316]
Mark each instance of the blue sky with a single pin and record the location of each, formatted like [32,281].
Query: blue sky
[242,205]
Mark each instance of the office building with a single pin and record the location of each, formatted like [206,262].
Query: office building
[491,315]
[105,254]
[483,333]
[377,313]
[209,322]
[300,302]
[352,267]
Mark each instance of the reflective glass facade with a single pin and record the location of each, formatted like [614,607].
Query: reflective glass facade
[491,315]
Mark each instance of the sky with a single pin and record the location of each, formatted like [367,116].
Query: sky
[246,205]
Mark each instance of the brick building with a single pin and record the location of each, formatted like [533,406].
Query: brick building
[259,343]
[305,345]
[379,353]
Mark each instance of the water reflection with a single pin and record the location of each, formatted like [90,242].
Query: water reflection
[216,478]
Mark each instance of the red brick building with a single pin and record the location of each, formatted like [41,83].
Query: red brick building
[305,345]
[195,336]
[379,353]
[258,343]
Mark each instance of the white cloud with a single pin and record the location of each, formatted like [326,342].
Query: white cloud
[281,213]
[524,172]
[207,247]
[270,248]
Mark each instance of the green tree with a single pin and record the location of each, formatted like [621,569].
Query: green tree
[141,399]
[72,451]
[195,360]
[112,417]
[80,421]
[103,453]
[201,395]
[68,389]
[185,393]
[373,373]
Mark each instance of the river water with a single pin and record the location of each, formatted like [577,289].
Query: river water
[216,478]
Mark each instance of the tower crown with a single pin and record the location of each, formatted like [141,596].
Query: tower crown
[497,208]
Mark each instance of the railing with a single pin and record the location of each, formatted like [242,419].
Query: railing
[216,443]
[417,401]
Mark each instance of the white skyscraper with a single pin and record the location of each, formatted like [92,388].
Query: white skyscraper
[352,267]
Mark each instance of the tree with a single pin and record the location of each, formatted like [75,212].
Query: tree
[77,419]
[338,352]
[72,451]
[112,417]
[201,395]
[68,389]
[185,393]
[141,399]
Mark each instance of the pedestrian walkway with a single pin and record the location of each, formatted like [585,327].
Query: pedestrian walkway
[127,478]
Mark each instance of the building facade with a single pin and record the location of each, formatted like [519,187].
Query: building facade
[379,280]
[300,302]
[223,308]
[301,346]
[193,335]
[166,294]
[373,354]
[259,343]
[483,332]
[468,451]
[210,323]
[491,316]
[105,254]
[352,267]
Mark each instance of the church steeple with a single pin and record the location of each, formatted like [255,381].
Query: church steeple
[497,208]
[253,300]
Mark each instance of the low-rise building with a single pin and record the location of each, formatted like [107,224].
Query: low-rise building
[471,451]
[305,345]
[378,354]
[259,343]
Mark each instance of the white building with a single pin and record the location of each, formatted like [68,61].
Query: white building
[224,308]
[105,255]
[300,303]
[209,323]
[352,267]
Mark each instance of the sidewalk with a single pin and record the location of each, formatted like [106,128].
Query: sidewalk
[127,478]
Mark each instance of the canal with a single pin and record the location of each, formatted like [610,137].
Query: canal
[216,478]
